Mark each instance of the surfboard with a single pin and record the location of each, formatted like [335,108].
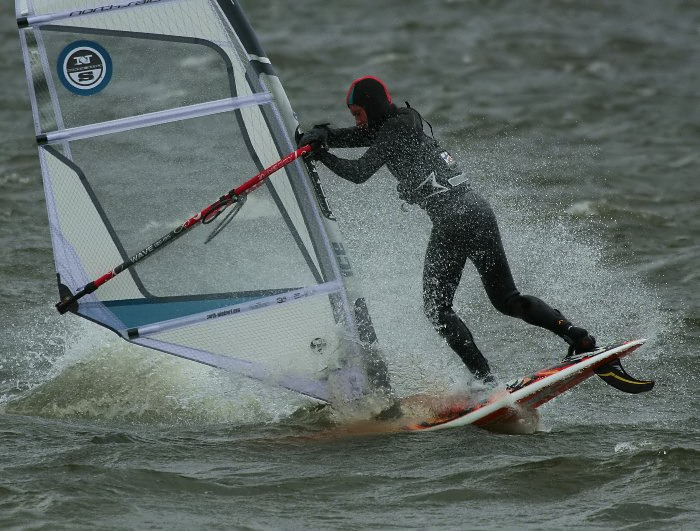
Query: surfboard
[529,392]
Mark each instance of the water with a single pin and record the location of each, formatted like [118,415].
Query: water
[580,123]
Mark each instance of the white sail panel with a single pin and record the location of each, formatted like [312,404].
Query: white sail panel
[80,228]
[264,146]
[247,336]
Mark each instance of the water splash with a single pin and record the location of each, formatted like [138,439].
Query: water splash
[96,375]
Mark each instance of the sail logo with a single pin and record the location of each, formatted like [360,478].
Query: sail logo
[84,68]
[111,7]
[447,158]
[435,187]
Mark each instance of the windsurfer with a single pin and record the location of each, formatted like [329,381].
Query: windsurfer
[464,225]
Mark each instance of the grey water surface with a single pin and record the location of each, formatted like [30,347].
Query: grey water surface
[579,121]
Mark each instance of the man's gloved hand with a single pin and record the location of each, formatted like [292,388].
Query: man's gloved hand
[317,137]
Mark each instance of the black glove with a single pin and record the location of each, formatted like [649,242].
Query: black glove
[317,137]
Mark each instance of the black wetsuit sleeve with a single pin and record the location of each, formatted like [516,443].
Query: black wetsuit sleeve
[359,170]
[348,137]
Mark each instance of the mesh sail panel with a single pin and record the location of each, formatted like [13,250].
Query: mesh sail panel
[147,112]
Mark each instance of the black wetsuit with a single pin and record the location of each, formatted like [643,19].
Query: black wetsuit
[464,226]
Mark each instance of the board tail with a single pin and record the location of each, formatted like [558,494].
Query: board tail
[614,375]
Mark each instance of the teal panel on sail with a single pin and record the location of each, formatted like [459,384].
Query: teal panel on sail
[135,313]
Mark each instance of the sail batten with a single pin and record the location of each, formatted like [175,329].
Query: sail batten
[155,118]
[195,310]
[26,20]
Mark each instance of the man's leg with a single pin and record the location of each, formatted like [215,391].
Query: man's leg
[444,261]
[489,257]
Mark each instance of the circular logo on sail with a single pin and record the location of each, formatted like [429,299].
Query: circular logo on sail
[84,67]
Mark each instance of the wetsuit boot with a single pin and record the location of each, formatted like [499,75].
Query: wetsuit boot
[579,339]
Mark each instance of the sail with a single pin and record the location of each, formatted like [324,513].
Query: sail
[145,112]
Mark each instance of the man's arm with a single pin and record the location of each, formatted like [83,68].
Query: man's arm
[359,170]
[348,137]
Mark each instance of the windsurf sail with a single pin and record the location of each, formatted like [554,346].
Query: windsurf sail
[144,111]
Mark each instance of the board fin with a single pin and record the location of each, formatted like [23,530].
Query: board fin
[614,375]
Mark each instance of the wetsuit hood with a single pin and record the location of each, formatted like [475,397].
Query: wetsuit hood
[371,94]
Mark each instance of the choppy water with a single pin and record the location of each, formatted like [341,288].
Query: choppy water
[579,121]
